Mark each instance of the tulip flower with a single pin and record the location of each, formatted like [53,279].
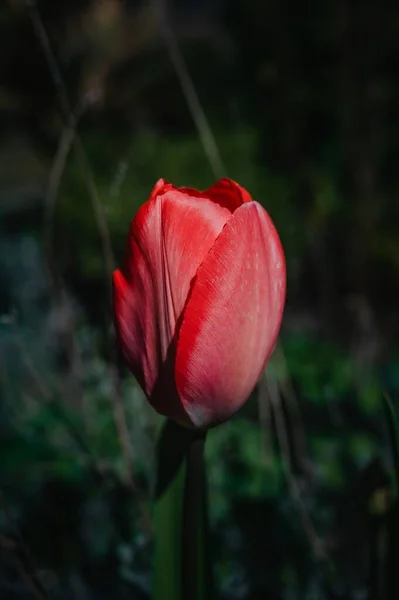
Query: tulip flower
[199,299]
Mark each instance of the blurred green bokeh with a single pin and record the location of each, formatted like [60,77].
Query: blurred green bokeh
[304,118]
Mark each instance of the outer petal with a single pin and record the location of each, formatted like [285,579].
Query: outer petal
[169,238]
[232,317]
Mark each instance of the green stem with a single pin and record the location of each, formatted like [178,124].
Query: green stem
[193,508]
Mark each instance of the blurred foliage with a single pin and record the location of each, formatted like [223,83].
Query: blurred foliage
[303,107]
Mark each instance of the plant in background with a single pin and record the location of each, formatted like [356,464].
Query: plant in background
[198,306]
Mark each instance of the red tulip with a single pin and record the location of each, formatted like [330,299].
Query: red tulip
[199,300]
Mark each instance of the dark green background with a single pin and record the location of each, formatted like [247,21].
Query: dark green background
[302,100]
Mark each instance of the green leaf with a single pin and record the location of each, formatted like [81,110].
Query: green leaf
[166,581]
[171,454]
[167,515]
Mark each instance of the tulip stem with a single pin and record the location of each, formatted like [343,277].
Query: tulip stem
[193,550]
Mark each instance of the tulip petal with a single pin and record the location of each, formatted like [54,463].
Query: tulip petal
[135,324]
[228,193]
[225,192]
[232,317]
[169,238]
